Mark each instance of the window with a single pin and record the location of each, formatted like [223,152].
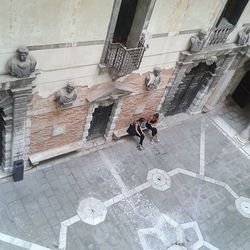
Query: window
[232,12]
[124,21]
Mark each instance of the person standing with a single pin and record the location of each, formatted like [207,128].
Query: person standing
[136,129]
[151,123]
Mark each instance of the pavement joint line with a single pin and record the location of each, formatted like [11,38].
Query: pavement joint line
[21,243]
[239,147]
[207,179]
[129,193]
[202,146]
[115,174]
[179,231]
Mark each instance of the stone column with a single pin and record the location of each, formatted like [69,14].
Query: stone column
[226,73]
[244,136]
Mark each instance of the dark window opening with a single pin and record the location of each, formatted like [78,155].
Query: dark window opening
[241,95]
[124,21]
[232,12]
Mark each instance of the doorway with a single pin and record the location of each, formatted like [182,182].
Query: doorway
[190,85]
[241,94]
[99,122]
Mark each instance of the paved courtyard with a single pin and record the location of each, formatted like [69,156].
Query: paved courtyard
[189,191]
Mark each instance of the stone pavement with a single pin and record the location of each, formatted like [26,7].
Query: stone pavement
[180,193]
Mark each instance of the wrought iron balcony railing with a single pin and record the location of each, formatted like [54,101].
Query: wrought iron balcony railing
[219,35]
[122,61]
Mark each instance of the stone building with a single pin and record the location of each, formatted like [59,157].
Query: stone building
[102,64]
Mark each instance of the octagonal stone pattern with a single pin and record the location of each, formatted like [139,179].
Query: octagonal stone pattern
[243,206]
[92,211]
[159,179]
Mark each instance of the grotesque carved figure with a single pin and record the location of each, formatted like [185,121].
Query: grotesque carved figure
[243,36]
[22,65]
[66,96]
[153,79]
[198,41]
[211,60]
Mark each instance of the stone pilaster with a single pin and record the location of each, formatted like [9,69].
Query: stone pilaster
[113,119]
[21,100]
[15,104]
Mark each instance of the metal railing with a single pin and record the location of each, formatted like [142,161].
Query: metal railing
[122,60]
[219,35]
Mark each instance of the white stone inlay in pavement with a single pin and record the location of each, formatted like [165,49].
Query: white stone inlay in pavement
[243,206]
[92,211]
[158,230]
[176,247]
[63,231]
[21,243]
[113,171]
[159,179]
[202,147]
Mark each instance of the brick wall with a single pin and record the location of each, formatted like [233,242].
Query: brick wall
[141,105]
[46,114]
[73,119]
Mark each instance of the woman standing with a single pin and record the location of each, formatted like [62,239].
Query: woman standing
[151,123]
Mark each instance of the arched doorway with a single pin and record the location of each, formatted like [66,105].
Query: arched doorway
[190,85]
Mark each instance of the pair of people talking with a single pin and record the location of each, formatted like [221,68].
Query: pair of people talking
[136,129]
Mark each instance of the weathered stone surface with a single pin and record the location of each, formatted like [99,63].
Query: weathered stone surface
[22,65]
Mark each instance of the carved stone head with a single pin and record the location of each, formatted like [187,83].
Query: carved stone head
[156,71]
[243,37]
[66,96]
[70,87]
[198,41]
[22,53]
[21,65]
[202,34]
[153,79]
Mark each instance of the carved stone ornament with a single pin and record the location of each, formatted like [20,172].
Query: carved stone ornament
[66,96]
[21,65]
[198,41]
[153,79]
[211,60]
[243,37]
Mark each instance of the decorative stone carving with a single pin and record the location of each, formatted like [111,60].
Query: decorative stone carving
[23,64]
[66,96]
[211,60]
[198,41]
[153,79]
[243,37]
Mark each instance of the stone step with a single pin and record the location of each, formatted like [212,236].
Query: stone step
[36,158]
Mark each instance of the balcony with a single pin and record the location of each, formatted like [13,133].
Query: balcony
[218,36]
[122,61]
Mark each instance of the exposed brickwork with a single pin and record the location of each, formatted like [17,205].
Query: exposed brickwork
[141,105]
[144,101]
[47,114]
[42,126]
[45,105]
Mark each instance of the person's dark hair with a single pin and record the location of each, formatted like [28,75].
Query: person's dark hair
[141,120]
[156,115]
